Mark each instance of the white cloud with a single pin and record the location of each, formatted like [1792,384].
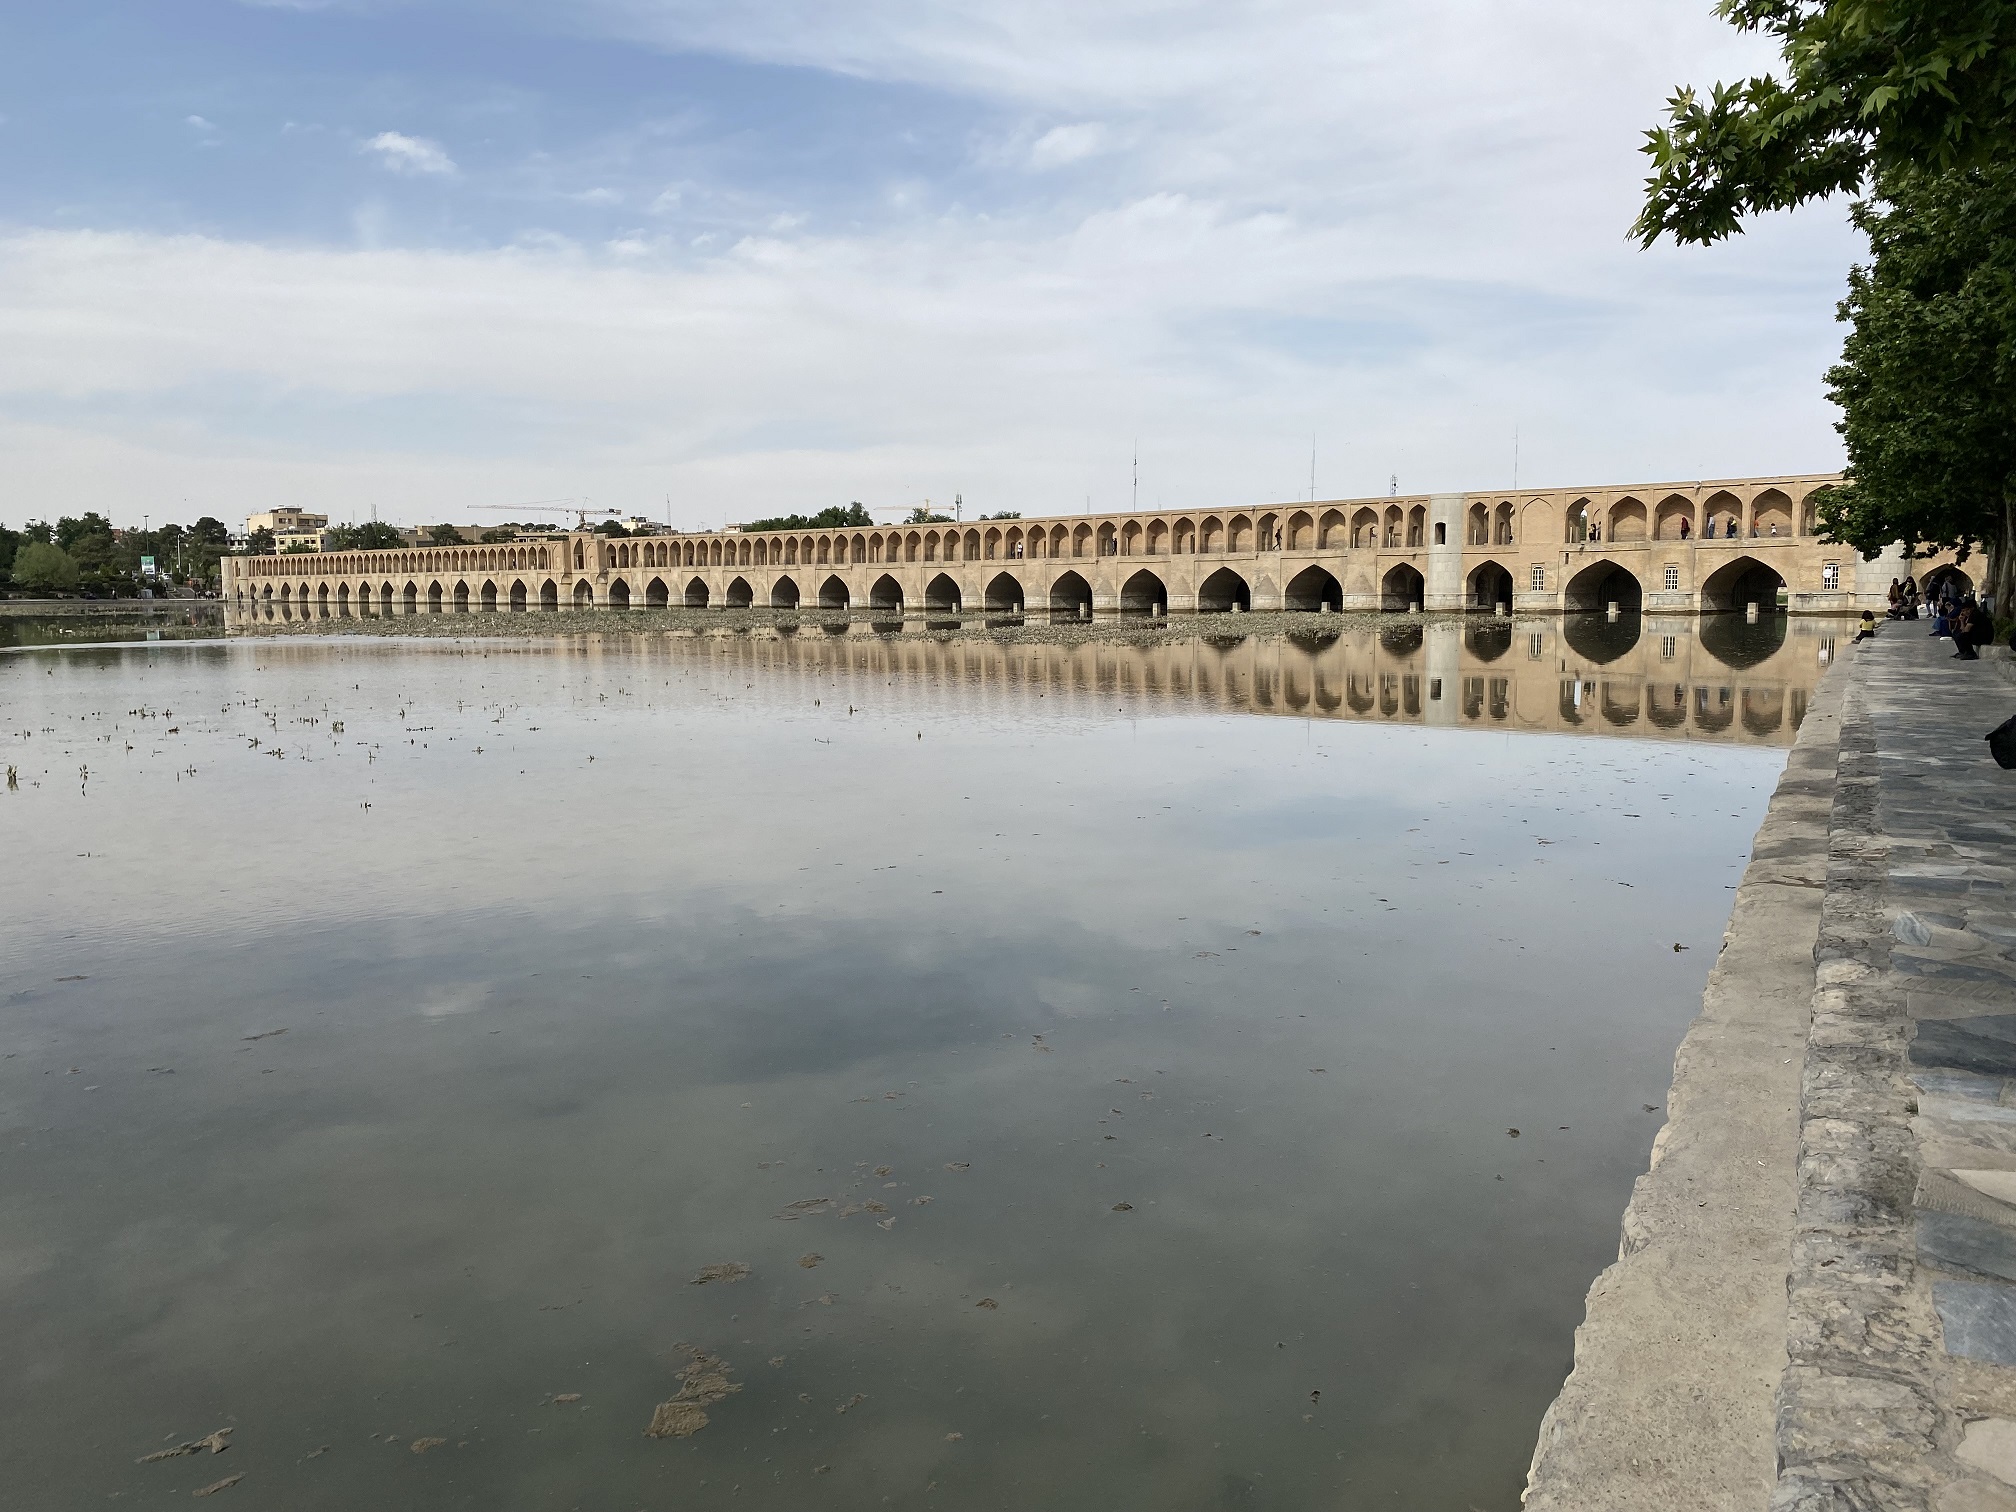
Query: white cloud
[1067,144]
[1397,225]
[406,154]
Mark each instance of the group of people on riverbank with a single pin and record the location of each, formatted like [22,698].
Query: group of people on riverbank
[1956,614]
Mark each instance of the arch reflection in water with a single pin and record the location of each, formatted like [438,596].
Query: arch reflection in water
[1680,678]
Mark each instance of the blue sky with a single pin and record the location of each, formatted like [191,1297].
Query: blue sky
[707,262]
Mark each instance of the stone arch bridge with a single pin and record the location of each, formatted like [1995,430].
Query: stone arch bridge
[1686,548]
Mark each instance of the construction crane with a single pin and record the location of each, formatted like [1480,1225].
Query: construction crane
[550,506]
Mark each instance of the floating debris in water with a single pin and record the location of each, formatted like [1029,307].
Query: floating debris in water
[732,1270]
[1123,1207]
[805,1207]
[810,1260]
[704,1382]
[215,1486]
[987,1302]
[422,1445]
[216,1443]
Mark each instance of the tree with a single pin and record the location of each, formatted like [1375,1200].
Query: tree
[1871,87]
[925,515]
[209,539]
[44,568]
[260,542]
[1005,514]
[445,535]
[70,531]
[830,518]
[503,535]
[1927,377]
[372,535]
[11,541]
[611,528]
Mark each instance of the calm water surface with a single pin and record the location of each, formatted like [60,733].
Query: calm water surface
[1109,1093]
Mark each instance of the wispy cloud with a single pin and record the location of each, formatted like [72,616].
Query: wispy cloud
[910,247]
[408,154]
[1067,144]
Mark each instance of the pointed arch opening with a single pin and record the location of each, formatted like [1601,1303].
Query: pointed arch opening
[696,595]
[656,594]
[1402,588]
[461,597]
[518,596]
[1599,585]
[489,596]
[1490,588]
[942,596]
[784,594]
[1144,594]
[738,594]
[1313,591]
[1771,513]
[584,595]
[1735,586]
[1071,596]
[619,594]
[886,593]
[1224,592]
[1003,595]
[412,598]
[433,598]
[833,593]
[549,597]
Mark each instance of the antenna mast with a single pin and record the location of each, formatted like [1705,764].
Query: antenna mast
[1137,475]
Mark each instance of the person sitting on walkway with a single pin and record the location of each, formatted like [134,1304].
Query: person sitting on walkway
[1896,610]
[1868,629]
[1966,630]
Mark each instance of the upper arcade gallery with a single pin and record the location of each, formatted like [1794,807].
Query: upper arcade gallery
[1685,548]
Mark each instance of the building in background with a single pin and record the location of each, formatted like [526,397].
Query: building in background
[293,529]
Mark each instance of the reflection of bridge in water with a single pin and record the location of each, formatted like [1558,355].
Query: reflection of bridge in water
[1677,679]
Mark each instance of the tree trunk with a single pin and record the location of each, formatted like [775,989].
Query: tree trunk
[2002,560]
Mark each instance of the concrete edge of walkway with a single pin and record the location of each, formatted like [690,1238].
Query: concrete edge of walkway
[1670,1400]
[1884,1408]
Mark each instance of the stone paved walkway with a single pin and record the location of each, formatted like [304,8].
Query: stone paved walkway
[1900,1391]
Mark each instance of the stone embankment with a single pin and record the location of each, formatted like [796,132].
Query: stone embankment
[1814,1303]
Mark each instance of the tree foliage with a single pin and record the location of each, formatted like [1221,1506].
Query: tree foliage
[42,567]
[831,518]
[445,535]
[372,535]
[1927,377]
[1868,87]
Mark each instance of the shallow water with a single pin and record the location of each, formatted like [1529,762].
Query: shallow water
[81,623]
[393,1087]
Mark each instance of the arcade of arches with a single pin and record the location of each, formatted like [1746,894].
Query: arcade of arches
[1696,548]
